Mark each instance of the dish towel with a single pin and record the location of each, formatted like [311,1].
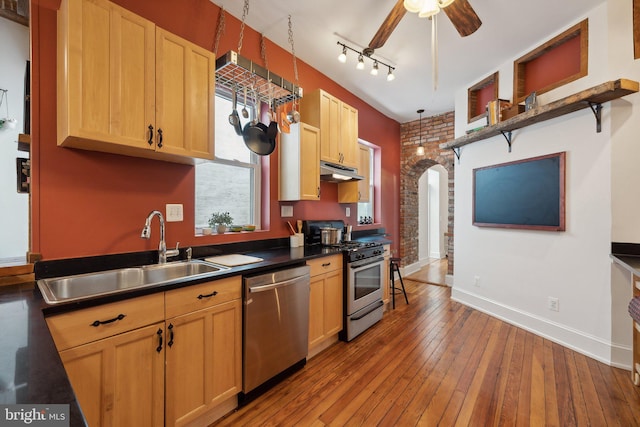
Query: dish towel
[634,309]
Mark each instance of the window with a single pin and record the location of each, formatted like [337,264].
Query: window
[231,182]
[366,209]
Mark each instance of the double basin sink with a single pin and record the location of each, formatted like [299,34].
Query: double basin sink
[91,285]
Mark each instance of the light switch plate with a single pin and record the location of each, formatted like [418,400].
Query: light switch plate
[286,211]
[174,212]
[348,212]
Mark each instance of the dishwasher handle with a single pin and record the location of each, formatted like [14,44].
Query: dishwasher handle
[270,286]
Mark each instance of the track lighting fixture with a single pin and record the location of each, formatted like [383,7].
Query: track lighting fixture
[343,56]
[390,75]
[420,150]
[361,57]
[374,70]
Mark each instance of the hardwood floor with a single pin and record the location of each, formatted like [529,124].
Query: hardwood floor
[437,362]
[435,272]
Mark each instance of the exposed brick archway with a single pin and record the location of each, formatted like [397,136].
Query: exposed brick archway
[435,130]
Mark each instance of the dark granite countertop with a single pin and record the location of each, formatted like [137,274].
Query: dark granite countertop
[627,255]
[31,371]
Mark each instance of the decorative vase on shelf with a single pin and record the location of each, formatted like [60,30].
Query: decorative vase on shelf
[220,221]
[221,228]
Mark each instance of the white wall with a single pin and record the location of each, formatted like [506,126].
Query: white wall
[14,227]
[518,269]
[423,220]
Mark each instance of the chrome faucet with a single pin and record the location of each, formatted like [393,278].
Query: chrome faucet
[162,247]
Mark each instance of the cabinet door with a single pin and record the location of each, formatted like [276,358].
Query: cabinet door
[309,162]
[316,311]
[203,359]
[357,191]
[349,135]
[330,128]
[119,381]
[185,91]
[106,76]
[333,303]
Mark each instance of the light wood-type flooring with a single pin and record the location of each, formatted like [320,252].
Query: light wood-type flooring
[436,362]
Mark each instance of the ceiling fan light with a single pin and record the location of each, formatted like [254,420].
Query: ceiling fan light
[413,6]
[390,75]
[444,3]
[360,65]
[429,9]
[374,70]
[343,56]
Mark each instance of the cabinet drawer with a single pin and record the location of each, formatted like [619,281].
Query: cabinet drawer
[325,264]
[196,297]
[90,324]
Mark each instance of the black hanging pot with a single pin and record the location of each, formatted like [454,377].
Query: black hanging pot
[256,139]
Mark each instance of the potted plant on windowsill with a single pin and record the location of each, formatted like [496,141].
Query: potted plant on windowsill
[220,220]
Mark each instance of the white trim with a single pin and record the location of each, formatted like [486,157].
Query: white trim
[607,352]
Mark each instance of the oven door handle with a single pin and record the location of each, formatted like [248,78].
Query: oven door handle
[378,304]
[365,262]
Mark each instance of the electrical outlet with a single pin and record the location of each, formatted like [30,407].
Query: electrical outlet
[476,281]
[553,304]
[174,212]
[348,212]
[286,211]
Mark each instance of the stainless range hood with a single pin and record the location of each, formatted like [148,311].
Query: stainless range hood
[337,173]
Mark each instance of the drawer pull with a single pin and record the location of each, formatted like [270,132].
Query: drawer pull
[159,348]
[212,294]
[104,322]
[326,264]
[170,342]
[159,138]
[150,141]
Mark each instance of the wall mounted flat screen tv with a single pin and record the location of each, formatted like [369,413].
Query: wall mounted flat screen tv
[525,194]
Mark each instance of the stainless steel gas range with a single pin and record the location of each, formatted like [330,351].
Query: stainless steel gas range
[363,279]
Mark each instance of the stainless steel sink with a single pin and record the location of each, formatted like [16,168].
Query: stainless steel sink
[91,285]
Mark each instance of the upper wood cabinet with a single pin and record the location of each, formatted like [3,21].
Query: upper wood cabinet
[357,191]
[300,163]
[126,86]
[338,124]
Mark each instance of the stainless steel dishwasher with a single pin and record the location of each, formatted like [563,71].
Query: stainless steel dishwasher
[276,324]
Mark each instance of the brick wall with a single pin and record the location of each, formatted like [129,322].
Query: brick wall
[435,130]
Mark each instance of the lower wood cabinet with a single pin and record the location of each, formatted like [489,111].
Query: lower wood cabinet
[182,369]
[119,381]
[325,302]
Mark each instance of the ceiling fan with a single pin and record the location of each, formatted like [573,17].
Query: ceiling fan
[459,12]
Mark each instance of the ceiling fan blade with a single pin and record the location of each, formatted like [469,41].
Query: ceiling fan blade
[463,17]
[389,24]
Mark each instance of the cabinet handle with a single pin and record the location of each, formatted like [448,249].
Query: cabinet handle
[318,192]
[159,138]
[150,141]
[212,294]
[104,322]
[326,264]
[159,348]
[170,342]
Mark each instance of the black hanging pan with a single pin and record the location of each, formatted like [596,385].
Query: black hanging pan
[255,135]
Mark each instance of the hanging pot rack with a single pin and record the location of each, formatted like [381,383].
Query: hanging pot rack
[233,71]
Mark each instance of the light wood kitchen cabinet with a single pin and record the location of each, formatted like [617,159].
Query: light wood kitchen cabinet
[338,124]
[204,351]
[122,356]
[119,381]
[299,171]
[325,302]
[114,356]
[386,276]
[357,191]
[128,87]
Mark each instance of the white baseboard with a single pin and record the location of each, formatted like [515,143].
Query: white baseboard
[619,356]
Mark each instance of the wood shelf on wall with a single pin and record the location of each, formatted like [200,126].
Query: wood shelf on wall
[589,98]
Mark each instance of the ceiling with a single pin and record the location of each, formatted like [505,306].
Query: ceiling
[505,35]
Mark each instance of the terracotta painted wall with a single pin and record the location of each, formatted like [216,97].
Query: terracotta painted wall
[88,203]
